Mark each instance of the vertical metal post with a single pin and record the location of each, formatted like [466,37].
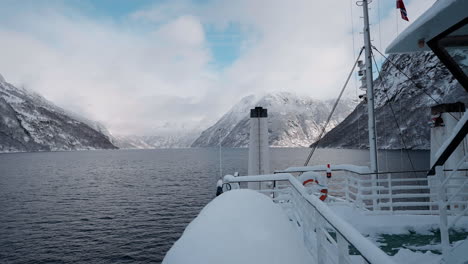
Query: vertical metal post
[343,249]
[443,222]
[347,188]
[274,189]
[390,192]
[220,161]
[358,194]
[321,240]
[370,100]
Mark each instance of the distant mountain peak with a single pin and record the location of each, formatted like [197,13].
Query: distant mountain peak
[294,121]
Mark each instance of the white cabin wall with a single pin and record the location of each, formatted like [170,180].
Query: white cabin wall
[438,136]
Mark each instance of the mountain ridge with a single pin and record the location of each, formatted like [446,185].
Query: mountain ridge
[31,123]
[293,121]
[411,104]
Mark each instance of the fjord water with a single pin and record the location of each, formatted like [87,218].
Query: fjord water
[125,206]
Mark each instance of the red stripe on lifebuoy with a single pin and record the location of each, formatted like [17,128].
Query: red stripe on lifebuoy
[324,195]
[309,181]
[324,191]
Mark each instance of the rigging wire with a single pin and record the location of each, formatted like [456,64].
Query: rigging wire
[401,142]
[352,29]
[333,109]
[400,132]
[355,76]
[396,22]
[380,31]
[380,47]
[410,79]
[385,142]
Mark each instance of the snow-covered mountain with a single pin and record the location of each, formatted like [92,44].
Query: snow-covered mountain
[31,123]
[293,121]
[410,103]
[176,140]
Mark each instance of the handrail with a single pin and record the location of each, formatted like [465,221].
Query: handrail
[343,167]
[306,169]
[370,252]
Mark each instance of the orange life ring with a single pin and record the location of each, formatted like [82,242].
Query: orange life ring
[324,191]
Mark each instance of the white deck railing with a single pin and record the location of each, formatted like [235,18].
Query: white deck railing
[382,193]
[444,194]
[328,238]
[451,195]
[410,192]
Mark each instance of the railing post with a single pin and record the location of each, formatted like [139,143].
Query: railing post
[347,188]
[390,192]
[443,222]
[374,193]
[321,240]
[360,202]
[274,189]
[343,249]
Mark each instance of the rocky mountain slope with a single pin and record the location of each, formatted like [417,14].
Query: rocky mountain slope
[410,104]
[31,123]
[293,121]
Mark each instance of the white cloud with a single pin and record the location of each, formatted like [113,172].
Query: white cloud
[154,68]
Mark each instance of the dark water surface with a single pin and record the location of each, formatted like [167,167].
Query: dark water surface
[123,206]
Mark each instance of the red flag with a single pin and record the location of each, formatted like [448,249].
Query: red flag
[400,5]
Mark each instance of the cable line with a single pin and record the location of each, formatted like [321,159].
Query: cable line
[411,80]
[333,109]
[400,132]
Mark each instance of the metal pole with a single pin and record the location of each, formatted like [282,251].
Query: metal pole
[343,249]
[370,99]
[443,219]
[220,160]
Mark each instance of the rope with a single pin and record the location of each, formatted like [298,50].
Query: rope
[333,109]
[394,116]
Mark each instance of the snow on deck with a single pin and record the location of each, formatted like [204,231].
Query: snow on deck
[392,224]
[375,225]
[240,226]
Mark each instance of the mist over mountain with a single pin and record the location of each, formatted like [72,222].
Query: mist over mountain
[293,121]
[31,123]
[411,104]
[176,140]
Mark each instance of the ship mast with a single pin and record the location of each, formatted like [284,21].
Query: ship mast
[370,89]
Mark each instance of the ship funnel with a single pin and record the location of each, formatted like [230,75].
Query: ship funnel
[259,155]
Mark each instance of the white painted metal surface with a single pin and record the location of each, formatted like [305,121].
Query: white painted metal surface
[449,137]
[370,91]
[394,192]
[442,15]
[318,222]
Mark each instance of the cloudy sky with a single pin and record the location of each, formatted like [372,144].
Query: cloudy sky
[147,66]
